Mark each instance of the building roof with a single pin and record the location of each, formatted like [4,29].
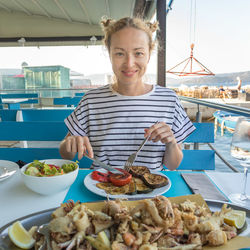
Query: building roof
[10,72]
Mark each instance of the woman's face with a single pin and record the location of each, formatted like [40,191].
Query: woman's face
[129,55]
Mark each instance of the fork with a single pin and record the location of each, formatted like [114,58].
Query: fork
[133,156]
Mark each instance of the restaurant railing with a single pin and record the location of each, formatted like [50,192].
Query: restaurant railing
[242,111]
[47,92]
[225,107]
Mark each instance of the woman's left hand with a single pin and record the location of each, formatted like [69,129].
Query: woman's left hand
[160,132]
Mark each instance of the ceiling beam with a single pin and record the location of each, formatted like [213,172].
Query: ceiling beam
[50,39]
[107,8]
[132,8]
[63,10]
[41,8]
[4,7]
[22,7]
[85,10]
[142,7]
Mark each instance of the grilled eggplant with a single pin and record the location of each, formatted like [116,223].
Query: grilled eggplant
[154,180]
[138,171]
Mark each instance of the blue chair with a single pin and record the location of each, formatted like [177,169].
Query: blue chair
[1,104]
[68,101]
[199,159]
[34,131]
[56,131]
[32,99]
[80,94]
[35,114]
[20,95]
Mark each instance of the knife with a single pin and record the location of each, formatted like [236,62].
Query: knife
[103,165]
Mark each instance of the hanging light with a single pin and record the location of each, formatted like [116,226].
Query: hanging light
[21,41]
[186,67]
[190,66]
[93,40]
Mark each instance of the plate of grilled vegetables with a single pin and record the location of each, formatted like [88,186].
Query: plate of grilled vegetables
[138,182]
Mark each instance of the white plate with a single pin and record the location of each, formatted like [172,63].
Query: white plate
[11,167]
[90,184]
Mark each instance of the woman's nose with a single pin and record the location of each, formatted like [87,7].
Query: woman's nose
[130,61]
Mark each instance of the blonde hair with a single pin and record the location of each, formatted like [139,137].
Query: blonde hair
[111,26]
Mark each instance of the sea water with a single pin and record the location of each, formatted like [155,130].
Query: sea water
[223,145]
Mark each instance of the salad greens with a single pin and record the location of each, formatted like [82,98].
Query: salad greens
[40,169]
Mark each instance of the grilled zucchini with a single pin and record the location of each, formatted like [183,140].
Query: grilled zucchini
[141,187]
[154,180]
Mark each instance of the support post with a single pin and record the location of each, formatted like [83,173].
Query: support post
[161,36]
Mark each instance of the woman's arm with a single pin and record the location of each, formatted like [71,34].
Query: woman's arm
[73,144]
[173,154]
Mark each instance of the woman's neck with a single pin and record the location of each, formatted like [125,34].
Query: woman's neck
[131,90]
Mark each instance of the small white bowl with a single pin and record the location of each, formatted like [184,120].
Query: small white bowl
[53,184]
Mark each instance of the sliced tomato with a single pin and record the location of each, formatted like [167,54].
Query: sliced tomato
[51,166]
[99,176]
[120,179]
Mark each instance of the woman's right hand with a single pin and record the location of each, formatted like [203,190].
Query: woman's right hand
[78,144]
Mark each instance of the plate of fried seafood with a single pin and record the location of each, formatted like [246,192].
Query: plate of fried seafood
[142,184]
[184,222]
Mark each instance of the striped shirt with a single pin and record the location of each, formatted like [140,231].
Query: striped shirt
[115,124]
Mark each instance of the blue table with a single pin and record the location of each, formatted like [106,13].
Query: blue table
[78,192]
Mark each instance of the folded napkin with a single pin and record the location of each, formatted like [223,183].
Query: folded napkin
[200,183]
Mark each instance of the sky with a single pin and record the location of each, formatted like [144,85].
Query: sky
[220,31]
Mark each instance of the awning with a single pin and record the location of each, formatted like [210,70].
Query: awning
[64,22]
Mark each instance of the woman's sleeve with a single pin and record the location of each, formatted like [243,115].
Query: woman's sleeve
[77,121]
[182,126]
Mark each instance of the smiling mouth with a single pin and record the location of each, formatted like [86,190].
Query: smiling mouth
[129,73]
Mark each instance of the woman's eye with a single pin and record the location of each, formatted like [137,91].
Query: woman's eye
[119,54]
[139,54]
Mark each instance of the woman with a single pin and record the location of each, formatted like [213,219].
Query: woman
[110,122]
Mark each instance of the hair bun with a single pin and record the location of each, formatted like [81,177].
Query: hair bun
[153,26]
[106,22]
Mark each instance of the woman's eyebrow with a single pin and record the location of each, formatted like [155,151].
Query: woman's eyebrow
[119,48]
[140,48]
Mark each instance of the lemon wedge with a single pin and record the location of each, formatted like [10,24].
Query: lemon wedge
[20,236]
[235,218]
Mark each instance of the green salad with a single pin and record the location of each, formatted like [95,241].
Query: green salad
[40,169]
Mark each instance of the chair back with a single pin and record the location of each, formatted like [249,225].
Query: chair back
[199,159]
[1,104]
[34,114]
[35,132]
[30,98]
[68,101]
[38,131]
[80,94]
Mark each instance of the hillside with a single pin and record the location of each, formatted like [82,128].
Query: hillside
[226,79]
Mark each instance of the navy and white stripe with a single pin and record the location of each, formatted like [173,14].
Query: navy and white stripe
[115,124]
